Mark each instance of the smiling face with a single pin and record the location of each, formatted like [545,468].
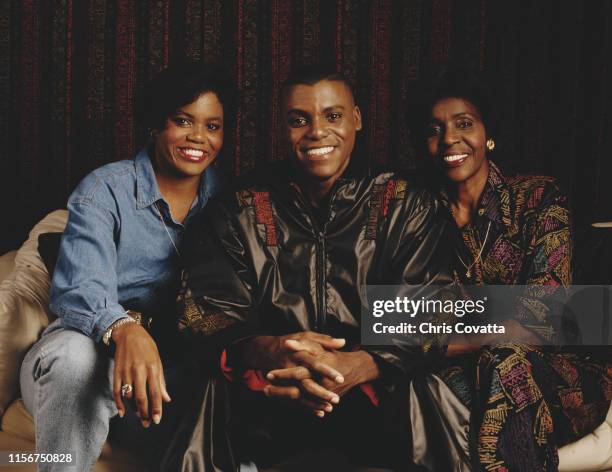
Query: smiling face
[456,140]
[191,140]
[321,122]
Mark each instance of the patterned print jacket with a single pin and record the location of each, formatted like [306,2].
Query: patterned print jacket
[529,242]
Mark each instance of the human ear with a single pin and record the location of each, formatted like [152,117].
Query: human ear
[357,117]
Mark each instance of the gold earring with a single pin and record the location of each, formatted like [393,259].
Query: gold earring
[490,144]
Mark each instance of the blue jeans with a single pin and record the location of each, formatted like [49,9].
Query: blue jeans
[66,384]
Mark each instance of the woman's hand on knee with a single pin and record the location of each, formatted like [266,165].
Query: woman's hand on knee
[137,364]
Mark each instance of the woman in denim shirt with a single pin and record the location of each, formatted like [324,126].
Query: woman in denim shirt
[119,262]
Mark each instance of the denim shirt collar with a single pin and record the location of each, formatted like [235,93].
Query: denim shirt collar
[147,190]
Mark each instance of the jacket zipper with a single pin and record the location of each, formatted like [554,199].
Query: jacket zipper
[320,258]
[321,288]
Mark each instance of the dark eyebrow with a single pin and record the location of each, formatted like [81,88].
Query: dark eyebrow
[468,114]
[190,116]
[464,113]
[334,107]
[325,110]
[297,111]
[183,112]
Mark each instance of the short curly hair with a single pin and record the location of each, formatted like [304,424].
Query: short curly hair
[311,74]
[180,84]
[447,82]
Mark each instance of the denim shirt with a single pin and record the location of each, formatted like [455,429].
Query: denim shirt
[116,254]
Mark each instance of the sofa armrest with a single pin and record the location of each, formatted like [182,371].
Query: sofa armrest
[24,300]
[7,263]
[592,453]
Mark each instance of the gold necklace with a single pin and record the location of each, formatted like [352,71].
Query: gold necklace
[468,269]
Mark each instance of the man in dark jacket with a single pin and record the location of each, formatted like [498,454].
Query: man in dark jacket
[275,283]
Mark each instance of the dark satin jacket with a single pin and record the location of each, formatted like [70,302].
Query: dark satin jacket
[259,261]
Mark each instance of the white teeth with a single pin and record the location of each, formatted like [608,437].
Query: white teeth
[319,151]
[455,157]
[193,152]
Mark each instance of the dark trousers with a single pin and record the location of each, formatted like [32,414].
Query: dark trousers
[270,431]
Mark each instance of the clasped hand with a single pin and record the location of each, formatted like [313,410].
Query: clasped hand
[309,367]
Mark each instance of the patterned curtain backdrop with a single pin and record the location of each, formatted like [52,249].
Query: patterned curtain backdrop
[69,71]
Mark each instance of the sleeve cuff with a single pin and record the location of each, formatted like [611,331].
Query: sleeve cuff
[253,379]
[90,326]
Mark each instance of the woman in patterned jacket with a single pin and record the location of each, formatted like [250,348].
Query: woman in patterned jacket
[526,399]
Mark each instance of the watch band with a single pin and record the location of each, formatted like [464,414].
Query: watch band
[107,336]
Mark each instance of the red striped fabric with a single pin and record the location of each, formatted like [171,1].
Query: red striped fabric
[193,29]
[166,35]
[440,30]
[68,93]
[249,59]
[124,77]
[6,141]
[348,40]
[412,30]
[281,63]
[380,72]
[157,37]
[311,31]
[483,31]
[239,83]
[85,91]
[212,29]
[339,33]
[95,61]
[30,91]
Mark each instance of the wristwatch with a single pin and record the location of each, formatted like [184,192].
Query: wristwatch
[106,337]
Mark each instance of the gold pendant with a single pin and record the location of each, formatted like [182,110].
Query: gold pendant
[468,274]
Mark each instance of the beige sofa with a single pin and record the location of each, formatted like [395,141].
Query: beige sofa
[24,288]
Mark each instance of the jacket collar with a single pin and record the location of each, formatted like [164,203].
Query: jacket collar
[358,168]
[286,177]
[495,199]
[147,190]
[495,202]
[285,172]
